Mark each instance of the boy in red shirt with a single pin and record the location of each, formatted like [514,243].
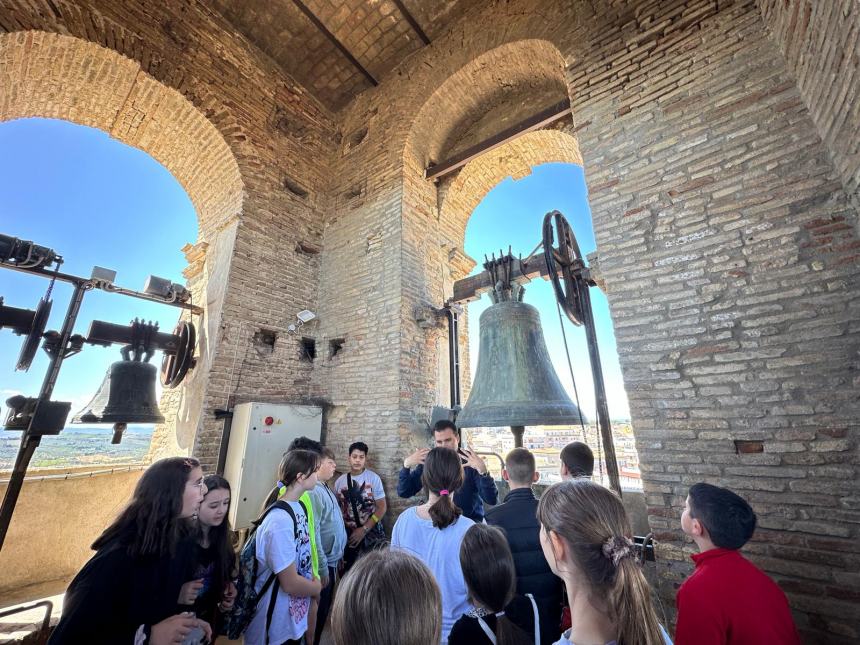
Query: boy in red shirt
[727,600]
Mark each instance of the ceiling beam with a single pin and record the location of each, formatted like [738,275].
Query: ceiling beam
[534,122]
[412,22]
[340,46]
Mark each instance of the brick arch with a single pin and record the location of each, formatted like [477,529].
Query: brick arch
[55,76]
[519,69]
[514,159]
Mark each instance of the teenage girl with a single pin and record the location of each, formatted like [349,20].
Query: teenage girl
[129,590]
[388,598]
[500,617]
[212,591]
[586,538]
[433,532]
[284,548]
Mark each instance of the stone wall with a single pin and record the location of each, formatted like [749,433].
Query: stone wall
[43,546]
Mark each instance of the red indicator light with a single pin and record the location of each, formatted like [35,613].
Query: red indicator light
[268,421]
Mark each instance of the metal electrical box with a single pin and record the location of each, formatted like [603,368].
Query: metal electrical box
[259,437]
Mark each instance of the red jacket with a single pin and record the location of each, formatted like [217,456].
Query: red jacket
[730,601]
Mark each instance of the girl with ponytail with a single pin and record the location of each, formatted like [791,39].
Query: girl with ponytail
[433,532]
[586,538]
[500,617]
[284,549]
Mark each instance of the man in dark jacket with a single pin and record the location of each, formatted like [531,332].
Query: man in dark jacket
[518,517]
[478,483]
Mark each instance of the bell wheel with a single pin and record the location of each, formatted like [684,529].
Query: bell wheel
[561,262]
[175,366]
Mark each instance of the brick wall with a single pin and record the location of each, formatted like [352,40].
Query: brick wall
[277,137]
[731,278]
[721,218]
[820,41]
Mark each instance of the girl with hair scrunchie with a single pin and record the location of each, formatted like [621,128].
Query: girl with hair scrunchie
[585,535]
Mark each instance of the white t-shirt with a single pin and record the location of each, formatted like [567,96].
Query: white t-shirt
[440,551]
[277,550]
[370,486]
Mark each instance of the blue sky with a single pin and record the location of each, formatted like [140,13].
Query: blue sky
[512,215]
[99,202]
[95,201]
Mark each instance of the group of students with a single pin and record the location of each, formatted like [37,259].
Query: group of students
[561,569]
[167,570]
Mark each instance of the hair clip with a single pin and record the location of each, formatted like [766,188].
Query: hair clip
[618,547]
[444,491]
[188,463]
[282,489]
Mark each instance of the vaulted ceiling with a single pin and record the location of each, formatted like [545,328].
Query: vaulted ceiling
[339,48]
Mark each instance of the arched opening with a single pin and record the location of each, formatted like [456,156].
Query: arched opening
[482,99]
[511,214]
[54,76]
[62,77]
[95,201]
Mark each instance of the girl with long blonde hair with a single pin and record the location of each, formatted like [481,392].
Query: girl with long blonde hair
[587,540]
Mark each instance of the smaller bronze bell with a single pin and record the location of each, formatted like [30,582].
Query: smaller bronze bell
[127,395]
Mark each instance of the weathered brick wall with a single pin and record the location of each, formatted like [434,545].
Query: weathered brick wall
[820,42]
[719,216]
[730,278]
[733,285]
[280,140]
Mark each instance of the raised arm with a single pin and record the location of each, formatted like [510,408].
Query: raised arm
[409,481]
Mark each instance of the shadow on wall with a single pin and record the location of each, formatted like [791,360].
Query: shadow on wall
[59,514]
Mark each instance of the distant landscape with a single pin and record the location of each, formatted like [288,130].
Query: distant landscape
[80,446]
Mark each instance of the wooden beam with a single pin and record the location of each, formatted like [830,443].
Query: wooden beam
[471,288]
[340,46]
[535,122]
[412,22]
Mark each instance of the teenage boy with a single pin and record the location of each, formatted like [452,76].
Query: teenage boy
[577,460]
[478,483]
[517,515]
[362,504]
[332,536]
[727,600]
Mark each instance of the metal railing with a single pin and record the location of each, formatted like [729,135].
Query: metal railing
[42,634]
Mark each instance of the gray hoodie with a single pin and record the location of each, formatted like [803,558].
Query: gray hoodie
[329,521]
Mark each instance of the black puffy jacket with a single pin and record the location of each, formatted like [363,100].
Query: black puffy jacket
[518,517]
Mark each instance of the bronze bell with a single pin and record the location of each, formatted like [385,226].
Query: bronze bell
[515,383]
[127,395]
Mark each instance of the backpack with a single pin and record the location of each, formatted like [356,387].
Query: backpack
[246,599]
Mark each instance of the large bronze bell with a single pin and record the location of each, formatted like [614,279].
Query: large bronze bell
[515,383]
[127,395]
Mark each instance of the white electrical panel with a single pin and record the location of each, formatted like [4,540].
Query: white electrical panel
[259,436]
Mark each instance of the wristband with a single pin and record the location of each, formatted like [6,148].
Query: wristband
[374,518]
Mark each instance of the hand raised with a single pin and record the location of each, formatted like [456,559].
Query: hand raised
[416,458]
[475,461]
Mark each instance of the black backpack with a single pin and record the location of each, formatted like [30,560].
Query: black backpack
[246,599]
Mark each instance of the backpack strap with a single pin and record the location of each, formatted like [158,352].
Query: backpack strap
[487,630]
[537,618]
